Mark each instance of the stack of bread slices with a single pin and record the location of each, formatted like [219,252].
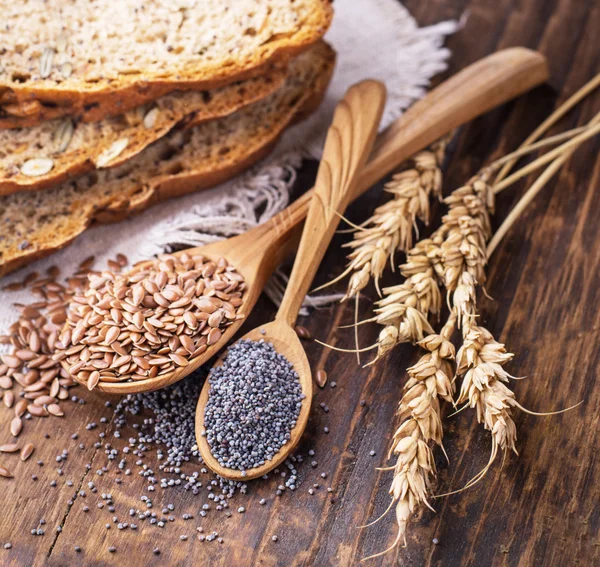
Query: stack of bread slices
[107,107]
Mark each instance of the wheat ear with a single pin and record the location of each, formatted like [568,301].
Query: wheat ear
[392,225]
[430,380]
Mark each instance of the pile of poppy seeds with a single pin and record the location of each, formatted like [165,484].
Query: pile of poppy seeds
[254,401]
[151,435]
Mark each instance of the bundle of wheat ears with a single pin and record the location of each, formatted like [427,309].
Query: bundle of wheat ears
[453,257]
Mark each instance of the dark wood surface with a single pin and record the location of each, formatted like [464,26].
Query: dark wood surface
[541,508]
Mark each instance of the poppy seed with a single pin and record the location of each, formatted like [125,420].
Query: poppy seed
[254,401]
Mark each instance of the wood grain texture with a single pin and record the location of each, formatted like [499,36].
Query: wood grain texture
[539,509]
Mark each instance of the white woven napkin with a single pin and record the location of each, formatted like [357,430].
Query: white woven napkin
[374,39]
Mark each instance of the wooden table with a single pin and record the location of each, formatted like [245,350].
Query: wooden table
[541,508]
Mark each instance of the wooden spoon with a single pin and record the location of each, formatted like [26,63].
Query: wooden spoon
[349,141]
[473,91]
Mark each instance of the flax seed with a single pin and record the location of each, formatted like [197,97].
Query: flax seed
[8,399]
[303,332]
[37,411]
[6,474]
[321,377]
[44,400]
[55,409]
[214,336]
[16,426]
[93,380]
[26,451]
[10,361]
[20,408]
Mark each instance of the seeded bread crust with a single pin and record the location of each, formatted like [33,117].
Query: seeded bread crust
[79,69]
[74,148]
[35,224]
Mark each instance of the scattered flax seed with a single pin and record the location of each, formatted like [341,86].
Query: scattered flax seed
[16,426]
[145,324]
[321,377]
[26,451]
[5,472]
[16,286]
[35,385]
[303,333]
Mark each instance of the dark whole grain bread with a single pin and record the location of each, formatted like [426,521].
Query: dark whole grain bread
[34,224]
[93,59]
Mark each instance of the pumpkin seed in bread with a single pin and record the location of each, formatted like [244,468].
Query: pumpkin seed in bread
[41,156]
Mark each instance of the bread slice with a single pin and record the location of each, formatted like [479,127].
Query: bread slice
[105,57]
[34,224]
[41,156]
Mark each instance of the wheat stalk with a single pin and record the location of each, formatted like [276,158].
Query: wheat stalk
[430,380]
[480,359]
[456,255]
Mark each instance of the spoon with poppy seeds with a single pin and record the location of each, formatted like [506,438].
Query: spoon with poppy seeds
[260,394]
[255,254]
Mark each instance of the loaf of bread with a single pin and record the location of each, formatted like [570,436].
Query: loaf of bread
[100,58]
[185,160]
[41,156]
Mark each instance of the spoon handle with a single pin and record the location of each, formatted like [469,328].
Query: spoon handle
[473,91]
[349,141]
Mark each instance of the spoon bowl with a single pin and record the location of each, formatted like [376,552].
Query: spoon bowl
[255,270]
[286,342]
